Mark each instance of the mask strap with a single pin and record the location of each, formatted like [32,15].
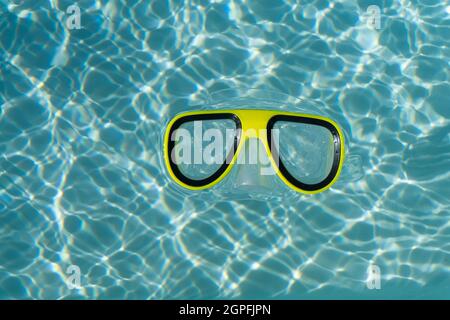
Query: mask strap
[352,169]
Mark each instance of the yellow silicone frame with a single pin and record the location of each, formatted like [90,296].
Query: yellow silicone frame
[252,119]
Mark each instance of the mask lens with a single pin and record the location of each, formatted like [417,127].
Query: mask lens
[307,151]
[202,146]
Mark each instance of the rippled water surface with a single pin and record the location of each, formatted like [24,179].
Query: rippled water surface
[82,112]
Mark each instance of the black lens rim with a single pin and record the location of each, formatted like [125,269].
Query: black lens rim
[314,121]
[197,117]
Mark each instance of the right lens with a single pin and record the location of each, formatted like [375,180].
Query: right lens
[307,150]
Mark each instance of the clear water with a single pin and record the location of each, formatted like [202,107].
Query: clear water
[81,182]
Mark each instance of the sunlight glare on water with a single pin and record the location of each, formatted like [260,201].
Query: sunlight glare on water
[83,110]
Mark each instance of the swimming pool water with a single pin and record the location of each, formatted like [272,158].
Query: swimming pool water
[81,181]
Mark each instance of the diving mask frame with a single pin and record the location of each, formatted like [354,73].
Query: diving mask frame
[255,123]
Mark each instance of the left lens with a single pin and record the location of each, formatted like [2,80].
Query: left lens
[201,147]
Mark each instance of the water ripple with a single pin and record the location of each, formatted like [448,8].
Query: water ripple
[81,178]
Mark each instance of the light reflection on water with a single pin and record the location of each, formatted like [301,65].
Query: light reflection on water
[81,182]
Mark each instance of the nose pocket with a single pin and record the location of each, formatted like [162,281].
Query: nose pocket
[253,172]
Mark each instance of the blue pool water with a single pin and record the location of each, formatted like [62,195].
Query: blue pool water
[82,113]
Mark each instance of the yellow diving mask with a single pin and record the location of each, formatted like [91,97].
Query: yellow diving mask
[305,151]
